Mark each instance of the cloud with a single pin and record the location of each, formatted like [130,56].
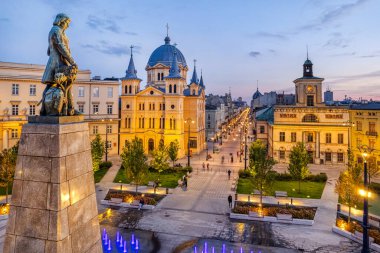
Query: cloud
[344,54]
[272,51]
[331,15]
[254,54]
[270,35]
[373,55]
[100,24]
[131,33]
[112,49]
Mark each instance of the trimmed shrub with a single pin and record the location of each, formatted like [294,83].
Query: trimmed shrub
[105,165]
[321,177]
[244,173]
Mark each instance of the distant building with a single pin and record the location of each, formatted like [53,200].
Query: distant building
[21,90]
[328,96]
[271,98]
[322,128]
[365,130]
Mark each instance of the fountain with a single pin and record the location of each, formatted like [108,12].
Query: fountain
[120,244]
[223,249]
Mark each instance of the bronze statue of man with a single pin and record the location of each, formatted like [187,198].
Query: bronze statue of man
[60,64]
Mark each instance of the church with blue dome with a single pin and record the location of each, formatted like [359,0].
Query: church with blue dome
[168,108]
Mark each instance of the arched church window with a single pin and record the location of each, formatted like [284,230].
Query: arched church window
[170,88]
[193,92]
[175,88]
[158,76]
[310,118]
[130,89]
[126,89]
[162,76]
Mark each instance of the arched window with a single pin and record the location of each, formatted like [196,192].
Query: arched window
[171,126]
[162,76]
[126,89]
[158,76]
[174,127]
[130,89]
[309,118]
[170,88]
[175,88]
[193,92]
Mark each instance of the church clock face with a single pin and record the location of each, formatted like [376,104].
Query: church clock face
[310,89]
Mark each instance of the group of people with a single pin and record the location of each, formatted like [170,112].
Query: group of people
[205,165]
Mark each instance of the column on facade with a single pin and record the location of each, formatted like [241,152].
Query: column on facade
[317,145]
[5,139]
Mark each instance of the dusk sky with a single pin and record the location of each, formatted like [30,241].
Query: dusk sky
[235,42]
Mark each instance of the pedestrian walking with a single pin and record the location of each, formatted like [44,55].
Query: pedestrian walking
[237,153]
[185,183]
[230,201]
[229,174]
[232,159]
[141,203]
[208,166]
[203,165]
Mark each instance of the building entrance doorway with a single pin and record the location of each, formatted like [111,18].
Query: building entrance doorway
[311,156]
[150,145]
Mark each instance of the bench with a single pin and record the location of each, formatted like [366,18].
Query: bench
[359,236]
[288,217]
[116,200]
[254,214]
[256,192]
[135,203]
[280,194]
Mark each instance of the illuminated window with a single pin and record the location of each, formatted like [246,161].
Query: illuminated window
[310,118]
[328,138]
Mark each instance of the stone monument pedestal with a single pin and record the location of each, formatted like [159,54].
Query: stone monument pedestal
[53,207]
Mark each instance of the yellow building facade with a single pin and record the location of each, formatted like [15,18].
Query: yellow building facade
[21,90]
[323,129]
[167,108]
[365,129]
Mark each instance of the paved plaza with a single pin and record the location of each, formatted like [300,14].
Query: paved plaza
[200,212]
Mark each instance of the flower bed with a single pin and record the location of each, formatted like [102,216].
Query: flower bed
[306,213]
[356,226]
[129,197]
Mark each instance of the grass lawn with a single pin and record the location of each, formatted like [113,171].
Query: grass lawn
[312,189]
[98,175]
[167,180]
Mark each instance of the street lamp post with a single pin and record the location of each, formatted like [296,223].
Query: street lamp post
[106,137]
[365,152]
[245,148]
[188,121]
[240,144]
[365,211]
[206,150]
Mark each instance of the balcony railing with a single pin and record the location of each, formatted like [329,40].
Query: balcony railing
[371,133]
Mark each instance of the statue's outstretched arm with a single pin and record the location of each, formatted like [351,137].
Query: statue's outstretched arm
[63,49]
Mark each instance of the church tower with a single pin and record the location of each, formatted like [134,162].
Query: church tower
[308,87]
[130,83]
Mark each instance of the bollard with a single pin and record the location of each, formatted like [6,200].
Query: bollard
[278,202]
[249,198]
[167,190]
[236,196]
[291,201]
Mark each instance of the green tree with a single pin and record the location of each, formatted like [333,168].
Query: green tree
[160,161]
[134,161]
[97,152]
[299,158]
[261,167]
[348,184]
[8,159]
[173,151]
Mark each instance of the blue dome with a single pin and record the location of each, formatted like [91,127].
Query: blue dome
[164,54]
